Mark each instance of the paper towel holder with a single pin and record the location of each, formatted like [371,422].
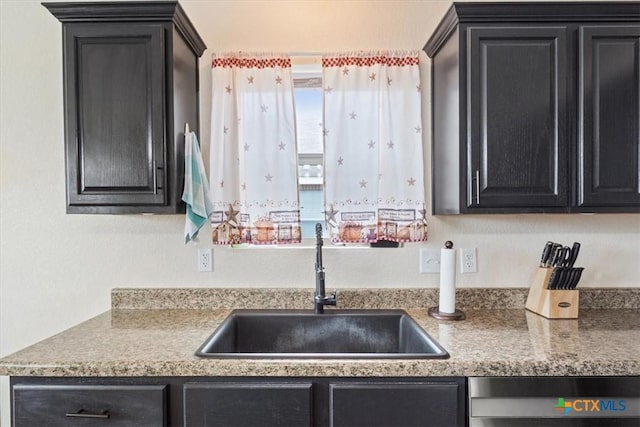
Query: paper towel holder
[435,311]
[456,315]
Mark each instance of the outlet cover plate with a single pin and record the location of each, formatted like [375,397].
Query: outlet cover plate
[205,260]
[468,260]
[429,260]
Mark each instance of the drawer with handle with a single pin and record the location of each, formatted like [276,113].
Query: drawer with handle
[89,405]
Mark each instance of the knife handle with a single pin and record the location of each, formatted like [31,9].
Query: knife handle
[554,255]
[575,249]
[558,257]
[577,277]
[566,256]
[546,253]
[562,280]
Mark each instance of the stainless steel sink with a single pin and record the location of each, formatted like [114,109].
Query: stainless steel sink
[334,334]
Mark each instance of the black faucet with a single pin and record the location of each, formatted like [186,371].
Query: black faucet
[320,299]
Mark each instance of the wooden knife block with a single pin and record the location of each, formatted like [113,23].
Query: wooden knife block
[551,303]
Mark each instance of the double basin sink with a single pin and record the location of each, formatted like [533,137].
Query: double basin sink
[333,334]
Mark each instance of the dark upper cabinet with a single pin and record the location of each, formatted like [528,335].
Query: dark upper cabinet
[130,85]
[535,108]
[518,115]
[609,116]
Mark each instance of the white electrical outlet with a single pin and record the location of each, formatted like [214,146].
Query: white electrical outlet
[429,260]
[468,260]
[205,260]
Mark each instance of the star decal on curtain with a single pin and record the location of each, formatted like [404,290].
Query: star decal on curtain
[232,214]
[330,215]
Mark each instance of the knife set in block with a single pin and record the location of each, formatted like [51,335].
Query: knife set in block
[552,293]
[551,303]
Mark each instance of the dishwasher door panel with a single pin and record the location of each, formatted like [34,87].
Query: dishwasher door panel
[554,401]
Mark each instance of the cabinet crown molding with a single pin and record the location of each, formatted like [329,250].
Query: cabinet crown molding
[530,12]
[138,11]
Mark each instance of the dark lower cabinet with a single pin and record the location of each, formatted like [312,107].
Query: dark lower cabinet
[54,405]
[248,404]
[238,401]
[395,404]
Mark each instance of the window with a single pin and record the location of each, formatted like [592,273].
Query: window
[307,82]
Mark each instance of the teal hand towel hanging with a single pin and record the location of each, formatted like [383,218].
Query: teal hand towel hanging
[196,188]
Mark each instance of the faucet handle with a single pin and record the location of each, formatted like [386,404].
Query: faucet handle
[332,299]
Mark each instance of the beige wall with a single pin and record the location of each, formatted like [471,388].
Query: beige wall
[57,270]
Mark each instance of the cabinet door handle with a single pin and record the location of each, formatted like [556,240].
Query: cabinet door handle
[477,187]
[156,168]
[84,414]
[155,177]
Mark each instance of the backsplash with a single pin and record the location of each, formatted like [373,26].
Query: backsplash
[291,298]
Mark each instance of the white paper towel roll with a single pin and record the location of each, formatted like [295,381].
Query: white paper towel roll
[447,281]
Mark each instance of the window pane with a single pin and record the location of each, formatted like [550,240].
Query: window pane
[309,119]
[308,104]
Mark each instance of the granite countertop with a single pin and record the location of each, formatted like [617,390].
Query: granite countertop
[134,340]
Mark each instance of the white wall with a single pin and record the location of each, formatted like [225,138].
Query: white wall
[57,270]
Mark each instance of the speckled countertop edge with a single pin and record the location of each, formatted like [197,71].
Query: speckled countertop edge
[293,298]
[496,342]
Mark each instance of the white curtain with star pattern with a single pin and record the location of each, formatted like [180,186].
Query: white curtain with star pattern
[374,186]
[253,158]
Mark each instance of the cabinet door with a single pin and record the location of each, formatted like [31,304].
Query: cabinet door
[609,113]
[396,404]
[114,88]
[89,405]
[248,404]
[517,125]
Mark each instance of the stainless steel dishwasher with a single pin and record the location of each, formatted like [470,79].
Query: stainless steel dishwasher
[554,401]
